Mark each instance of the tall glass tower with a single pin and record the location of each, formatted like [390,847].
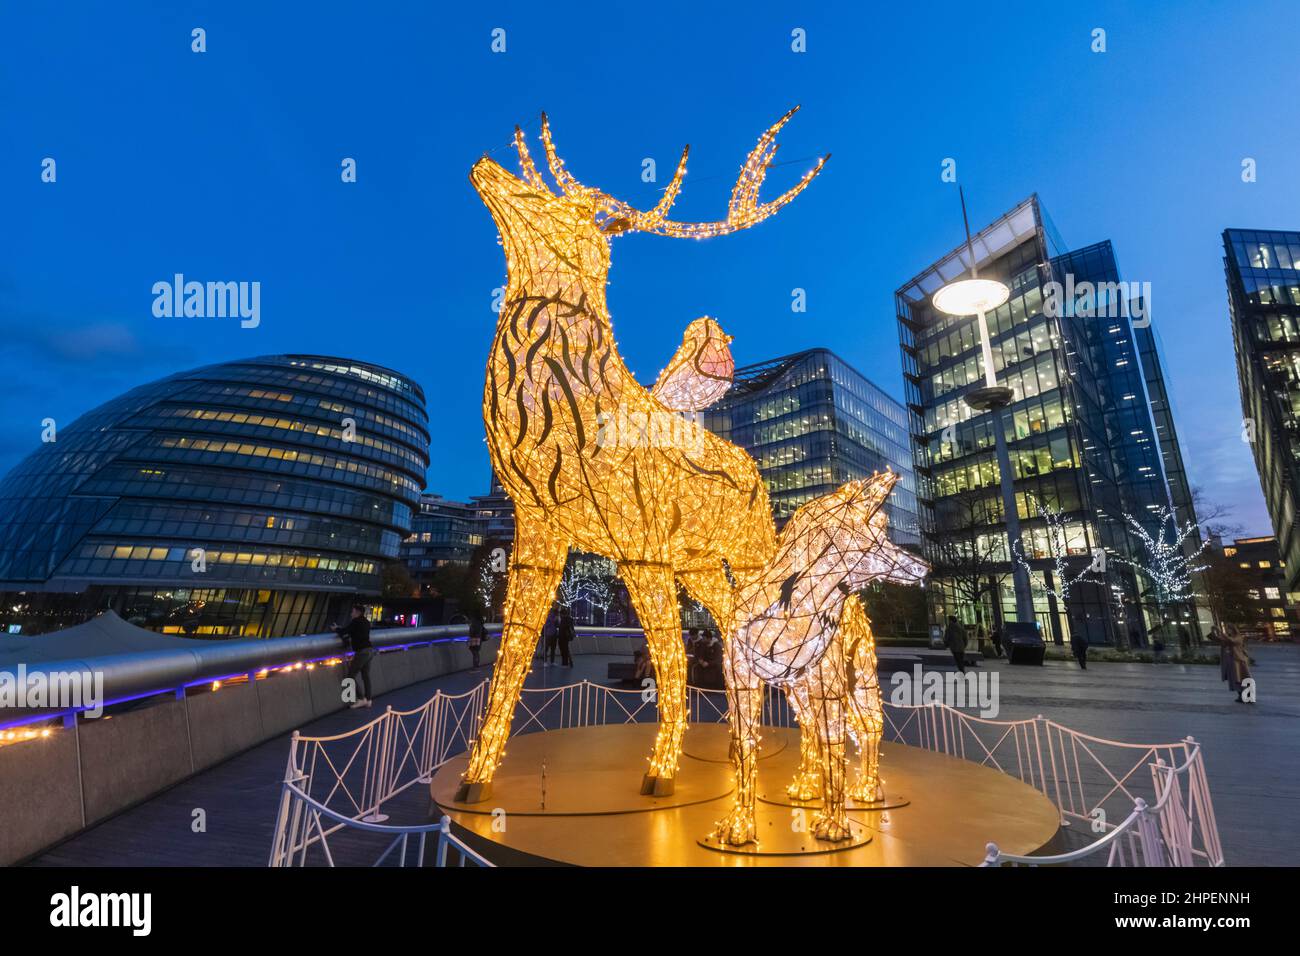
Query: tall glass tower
[1090,438]
[1263,273]
[813,422]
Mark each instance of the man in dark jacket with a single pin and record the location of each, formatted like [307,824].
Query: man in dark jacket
[550,637]
[356,635]
[1079,646]
[955,638]
[477,632]
[566,634]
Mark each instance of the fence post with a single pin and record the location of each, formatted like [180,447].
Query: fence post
[432,736]
[1149,835]
[379,772]
[1198,789]
[444,832]
[278,849]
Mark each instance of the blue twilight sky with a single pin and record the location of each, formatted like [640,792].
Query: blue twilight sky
[225,166]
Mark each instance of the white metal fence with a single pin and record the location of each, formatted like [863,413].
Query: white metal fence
[337,789]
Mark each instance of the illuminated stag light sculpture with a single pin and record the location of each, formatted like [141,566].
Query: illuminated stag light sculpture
[801,627]
[665,512]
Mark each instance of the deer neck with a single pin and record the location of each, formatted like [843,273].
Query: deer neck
[554,357]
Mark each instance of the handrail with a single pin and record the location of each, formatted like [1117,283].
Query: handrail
[190,662]
[399,833]
[996,857]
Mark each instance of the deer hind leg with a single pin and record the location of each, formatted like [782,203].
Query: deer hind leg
[807,782]
[826,694]
[654,595]
[744,703]
[865,711]
[744,714]
[536,567]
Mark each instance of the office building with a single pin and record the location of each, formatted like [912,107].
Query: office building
[1263,275]
[1089,434]
[442,532]
[249,498]
[813,422]
[1266,611]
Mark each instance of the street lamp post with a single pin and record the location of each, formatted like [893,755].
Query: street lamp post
[976,296]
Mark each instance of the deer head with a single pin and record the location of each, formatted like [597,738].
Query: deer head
[572,226]
[831,547]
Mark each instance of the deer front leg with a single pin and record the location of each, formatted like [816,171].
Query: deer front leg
[807,782]
[744,715]
[654,595]
[535,569]
[868,724]
[826,695]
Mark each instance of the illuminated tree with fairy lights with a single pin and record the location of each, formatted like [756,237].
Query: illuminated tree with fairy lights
[1169,557]
[1068,569]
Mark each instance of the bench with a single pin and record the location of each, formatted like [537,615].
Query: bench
[621,671]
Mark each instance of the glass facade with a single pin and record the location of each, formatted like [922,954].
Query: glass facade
[813,422]
[442,532]
[1263,274]
[248,498]
[1089,432]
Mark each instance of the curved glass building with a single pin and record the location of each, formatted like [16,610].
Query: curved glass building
[250,498]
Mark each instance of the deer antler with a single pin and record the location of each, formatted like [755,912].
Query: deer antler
[526,164]
[566,182]
[744,209]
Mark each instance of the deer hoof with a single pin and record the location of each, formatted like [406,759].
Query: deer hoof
[737,828]
[805,786]
[866,792]
[831,827]
[473,792]
[656,786]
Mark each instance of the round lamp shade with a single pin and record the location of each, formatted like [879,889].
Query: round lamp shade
[968,296]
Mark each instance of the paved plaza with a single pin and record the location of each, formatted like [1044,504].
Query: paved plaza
[1251,755]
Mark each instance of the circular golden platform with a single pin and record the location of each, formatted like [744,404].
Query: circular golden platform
[775,793]
[587,810]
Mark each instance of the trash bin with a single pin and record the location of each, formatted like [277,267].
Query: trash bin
[1023,642]
[936,637]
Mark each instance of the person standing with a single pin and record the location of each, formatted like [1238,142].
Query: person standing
[1184,640]
[995,638]
[1234,660]
[550,634]
[565,634]
[1079,647]
[476,634]
[955,638]
[356,635]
